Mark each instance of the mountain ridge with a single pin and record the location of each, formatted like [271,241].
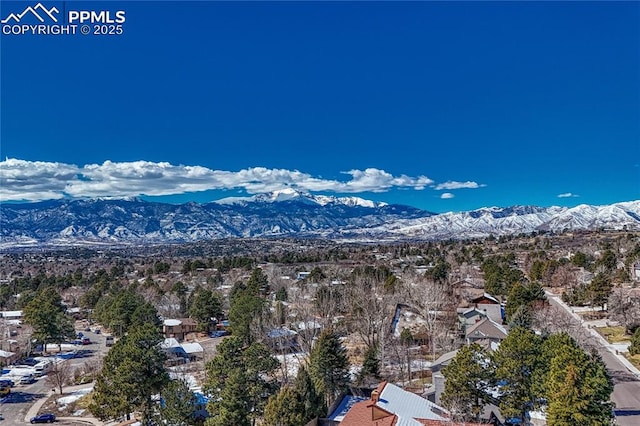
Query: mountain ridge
[286,213]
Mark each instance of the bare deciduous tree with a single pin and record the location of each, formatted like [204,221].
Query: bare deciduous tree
[60,375]
[434,301]
[624,306]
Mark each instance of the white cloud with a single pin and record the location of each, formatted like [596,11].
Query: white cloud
[458,185]
[568,195]
[447,195]
[37,180]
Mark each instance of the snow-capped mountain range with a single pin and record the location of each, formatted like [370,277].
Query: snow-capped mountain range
[285,213]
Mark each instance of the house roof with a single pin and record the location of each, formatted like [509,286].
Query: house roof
[169,343]
[408,406]
[172,322]
[346,404]
[280,332]
[188,321]
[445,358]
[11,314]
[427,422]
[489,298]
[397,407]
[471,312]
[192,348]
[361,415]
[486,329]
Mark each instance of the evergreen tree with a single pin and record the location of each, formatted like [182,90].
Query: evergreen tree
[599,289]
[238,380]
[578,390]
[329,366]
[522,297]
[312,402]
[46,314]
[284,409]
[245,316]
[515,362]
[634,348]
[132,372]
[179,404]
[552,346]
[145,313]
[370,366]
[258,282]
[468,377]
[205,305]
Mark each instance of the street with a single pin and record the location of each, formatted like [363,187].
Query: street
[626,391]
[16,407]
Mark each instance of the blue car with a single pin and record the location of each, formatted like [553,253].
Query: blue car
[43,418]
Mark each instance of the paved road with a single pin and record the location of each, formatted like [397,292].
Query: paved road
[15,408]
[626,391]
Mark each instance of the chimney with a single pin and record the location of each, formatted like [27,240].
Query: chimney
[374,396]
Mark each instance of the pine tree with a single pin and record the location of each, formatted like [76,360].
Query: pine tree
[179,404]
[634,348]
[578,390]
[515,362]
[239,382]
[132,372]
[205,305]
[284,409]
[45,313]
[468,377]
[312,402]
[370,366]
[329,366]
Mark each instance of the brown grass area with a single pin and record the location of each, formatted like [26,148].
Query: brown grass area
[614,334]
[634,359]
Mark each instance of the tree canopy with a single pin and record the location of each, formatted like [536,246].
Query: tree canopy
[47,315]
[239,381]
[132,372]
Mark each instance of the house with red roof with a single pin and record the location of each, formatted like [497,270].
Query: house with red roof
[391,405]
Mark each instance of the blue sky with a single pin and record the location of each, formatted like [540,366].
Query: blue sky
[443,106]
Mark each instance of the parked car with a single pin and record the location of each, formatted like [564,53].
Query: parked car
[27,380]
[43,418]
[7,382]
[219,333]
[86,340]
[5,390]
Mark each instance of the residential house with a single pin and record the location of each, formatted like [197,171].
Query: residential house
[193,351]
[484,331]
[178,328]
[469,317]
[390,405]
[490,305]
[282,339]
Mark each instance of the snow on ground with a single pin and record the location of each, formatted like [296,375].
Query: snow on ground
[621,347]
[73,397]
[291,362]
[191,380]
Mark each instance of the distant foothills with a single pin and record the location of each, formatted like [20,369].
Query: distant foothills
[286,213]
